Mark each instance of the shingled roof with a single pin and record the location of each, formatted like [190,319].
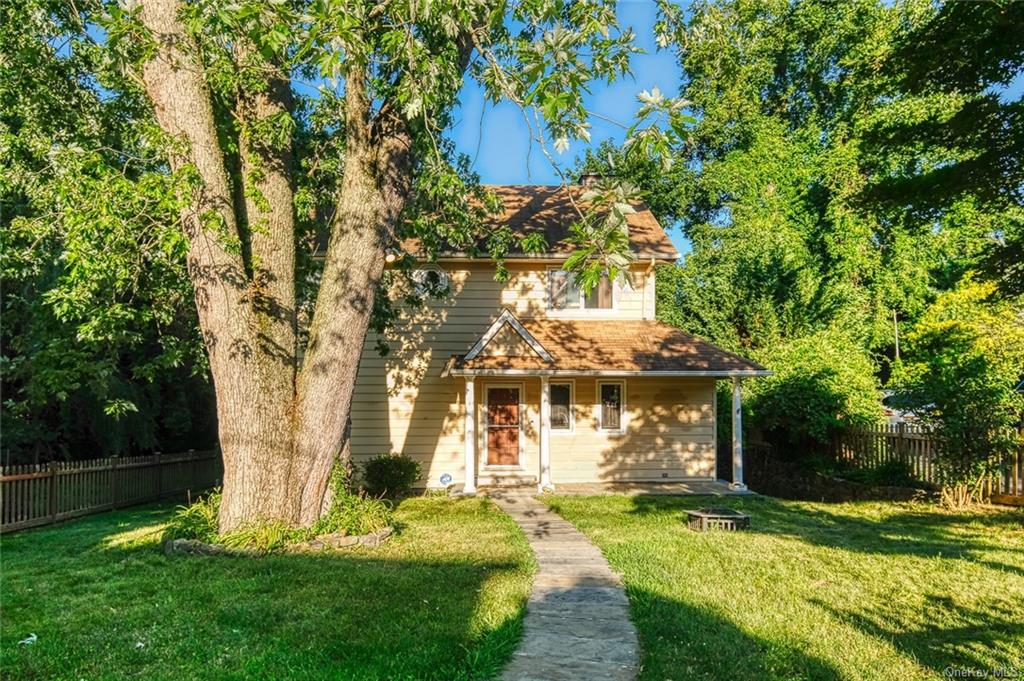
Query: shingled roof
[627,346]
[549,210]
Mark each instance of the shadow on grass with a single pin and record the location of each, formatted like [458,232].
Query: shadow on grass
[105,602]
[946,633]
[968,617]
[912,532]
[683,641]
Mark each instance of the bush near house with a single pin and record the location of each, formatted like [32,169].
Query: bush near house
[390,474]
[821,384]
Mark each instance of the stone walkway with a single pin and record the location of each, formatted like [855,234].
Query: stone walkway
[577,623]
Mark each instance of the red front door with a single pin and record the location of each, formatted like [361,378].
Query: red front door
[503,426]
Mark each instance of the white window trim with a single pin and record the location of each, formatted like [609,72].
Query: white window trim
[580,311]
[572,406]
[622,407]
[522,418]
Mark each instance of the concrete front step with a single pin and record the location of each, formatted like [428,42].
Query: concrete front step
[524,484]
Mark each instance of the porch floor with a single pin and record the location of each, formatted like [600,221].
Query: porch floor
[678,488]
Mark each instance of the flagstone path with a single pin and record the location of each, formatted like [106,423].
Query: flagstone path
[577,624]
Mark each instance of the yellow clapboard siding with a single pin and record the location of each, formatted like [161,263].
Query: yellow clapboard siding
[402,403]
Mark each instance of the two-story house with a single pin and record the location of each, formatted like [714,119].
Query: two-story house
[529,381]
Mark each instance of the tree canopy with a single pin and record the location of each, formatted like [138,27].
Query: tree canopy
[850,164]
[100,345]
[201,191]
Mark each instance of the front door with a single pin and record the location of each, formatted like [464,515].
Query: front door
[503,426]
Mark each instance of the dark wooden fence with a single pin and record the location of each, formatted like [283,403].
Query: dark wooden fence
[40,494]
[908,444]
[916,448]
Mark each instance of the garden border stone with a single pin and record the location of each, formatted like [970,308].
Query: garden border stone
[325,542]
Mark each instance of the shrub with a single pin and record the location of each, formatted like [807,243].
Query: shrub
[390,474]
[821,384]
[890,473]
[964,359]
[198,521]
[351,512]
[263,536]
[354,514]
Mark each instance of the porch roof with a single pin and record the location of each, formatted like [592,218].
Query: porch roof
[606,347]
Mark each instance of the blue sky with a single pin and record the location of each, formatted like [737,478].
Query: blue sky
[503,138]
[500,142]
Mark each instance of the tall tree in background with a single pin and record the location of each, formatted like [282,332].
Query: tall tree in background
[831,188]
[963,127]
[100,352]
[964,131]
[265,114]
[783,243]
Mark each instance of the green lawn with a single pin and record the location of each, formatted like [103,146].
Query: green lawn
[814,591]
[442,600]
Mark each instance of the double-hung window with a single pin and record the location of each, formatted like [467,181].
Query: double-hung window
[565,294]
[611,396]
[562,416]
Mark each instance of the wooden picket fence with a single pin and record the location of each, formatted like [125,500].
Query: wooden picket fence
[912,445]
[915,447]
[40,494]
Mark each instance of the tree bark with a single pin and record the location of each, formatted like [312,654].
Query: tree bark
[374,191]
[258,469]
[281,428]
[254,387]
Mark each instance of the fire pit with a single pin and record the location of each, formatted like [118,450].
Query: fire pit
[717,518]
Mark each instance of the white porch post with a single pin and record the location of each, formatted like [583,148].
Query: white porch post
[470,404]
[544,481]
[737,438]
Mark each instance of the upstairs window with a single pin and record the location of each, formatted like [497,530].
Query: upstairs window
[564,294]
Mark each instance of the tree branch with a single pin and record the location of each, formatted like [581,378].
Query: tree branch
[183,107]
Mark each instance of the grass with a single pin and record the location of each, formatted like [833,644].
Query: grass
[442,600]
[815,591]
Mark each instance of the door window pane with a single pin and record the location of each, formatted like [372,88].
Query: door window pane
[561,406]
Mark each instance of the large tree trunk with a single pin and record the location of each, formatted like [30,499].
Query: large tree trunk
[257,424]
[280,430]
[374,191]
[244,318]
